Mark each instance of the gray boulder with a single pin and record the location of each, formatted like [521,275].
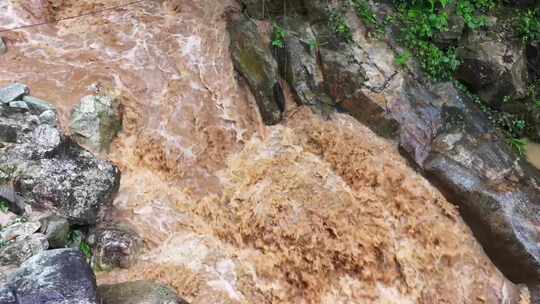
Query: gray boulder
[50,171]
[22,248]
[96,121]
[13,92]
[59,276]
[56,228]
[493,65]
[253,60]
[114,246]
[138,292]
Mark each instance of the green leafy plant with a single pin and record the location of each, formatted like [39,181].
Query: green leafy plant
[537,103]
[278,36]
[403,58]
[529,26]
[467,10]
[419,22]
[3,207]
[86,249]
[364,12]
[519,145]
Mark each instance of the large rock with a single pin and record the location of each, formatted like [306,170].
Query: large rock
[59,276]
[138,292]
[96,121]
[49,171]
[20,250]
[253,60]
[493,65]
[114,246]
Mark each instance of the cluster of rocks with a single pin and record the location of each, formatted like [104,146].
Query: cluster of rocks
[440,129]
[54,196]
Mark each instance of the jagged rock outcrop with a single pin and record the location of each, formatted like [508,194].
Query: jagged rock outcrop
[138,292]
[253,60]
[59,276]
[47,169]
[96,121]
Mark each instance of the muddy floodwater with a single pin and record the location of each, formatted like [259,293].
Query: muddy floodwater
[232,211]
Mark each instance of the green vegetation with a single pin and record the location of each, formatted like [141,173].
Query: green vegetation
[537,103]
[364,12]
[420,21]
[3,207]
[278,36]
[75,240]
[86,250]
[339,25]
[403,58]
[520,145]
[468,10]
[528,26]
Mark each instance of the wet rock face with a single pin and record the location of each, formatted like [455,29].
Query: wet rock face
[493,65]
[115,246]
[95,122]
[299,65]
[47,169]
[56,276]
[253,60]
[138,292]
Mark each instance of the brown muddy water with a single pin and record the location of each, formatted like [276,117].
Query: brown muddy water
[232,211]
